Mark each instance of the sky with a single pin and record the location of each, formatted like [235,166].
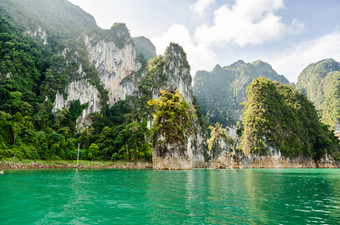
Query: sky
[287,34]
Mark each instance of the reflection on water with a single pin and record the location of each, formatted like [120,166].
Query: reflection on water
[259,196]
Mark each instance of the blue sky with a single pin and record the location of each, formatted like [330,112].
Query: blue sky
[288,34]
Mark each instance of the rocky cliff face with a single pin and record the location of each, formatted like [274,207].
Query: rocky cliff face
[241,161]
[176,76]
[85,93]
[220,154]
[114,65]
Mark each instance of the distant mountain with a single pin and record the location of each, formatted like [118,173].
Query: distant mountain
[321,83]
[220,92]
[145,47]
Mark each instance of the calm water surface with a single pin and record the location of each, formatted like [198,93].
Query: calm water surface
[200,196]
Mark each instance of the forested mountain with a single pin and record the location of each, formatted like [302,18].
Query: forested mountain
[220,92]
[321,83]
[278,119]
[66,83]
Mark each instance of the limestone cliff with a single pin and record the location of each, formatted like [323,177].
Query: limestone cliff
[172,72]
[241,161]
[85,93]
[113,55]
[220,146]
[114,64]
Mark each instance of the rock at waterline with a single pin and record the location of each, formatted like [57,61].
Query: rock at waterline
[2,172]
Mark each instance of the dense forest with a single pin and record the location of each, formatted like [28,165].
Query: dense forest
[321,83]
[279,118]
[31,74]
[43,52]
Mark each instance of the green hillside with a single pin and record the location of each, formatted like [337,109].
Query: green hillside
[220,92]
[321,83]
[278,117]
[32,70]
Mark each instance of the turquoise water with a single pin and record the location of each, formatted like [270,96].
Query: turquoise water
[200,196]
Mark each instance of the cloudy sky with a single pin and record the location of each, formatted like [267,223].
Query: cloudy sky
[288,34]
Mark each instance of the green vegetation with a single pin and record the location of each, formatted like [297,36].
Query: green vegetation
[41,53]
[217,132]
[219,93]
[321,82]
[280,118]
[173,117]
[32,72]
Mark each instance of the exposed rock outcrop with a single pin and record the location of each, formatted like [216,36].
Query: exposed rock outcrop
[282,162]
[176,71]
[85,93]
[114,65]
[39,33]
[238,160]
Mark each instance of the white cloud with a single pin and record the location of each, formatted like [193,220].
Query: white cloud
[200,57]
[245,22]
[200,6]
[292,62]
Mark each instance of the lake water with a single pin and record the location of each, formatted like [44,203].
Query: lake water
[200,196]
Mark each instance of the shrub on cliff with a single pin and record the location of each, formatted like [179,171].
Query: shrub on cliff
[172,117]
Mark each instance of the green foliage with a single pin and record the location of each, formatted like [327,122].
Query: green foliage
[220,92]
[32,72]
[40,54]
[279,117]
[93,151]
[218,132]
[173,117]
[321,82]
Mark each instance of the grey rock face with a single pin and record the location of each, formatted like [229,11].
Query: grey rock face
[171,156]
[176,155]
[114,65]
[85,93]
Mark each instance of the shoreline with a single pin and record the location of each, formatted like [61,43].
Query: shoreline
[83,164]
[63,164]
